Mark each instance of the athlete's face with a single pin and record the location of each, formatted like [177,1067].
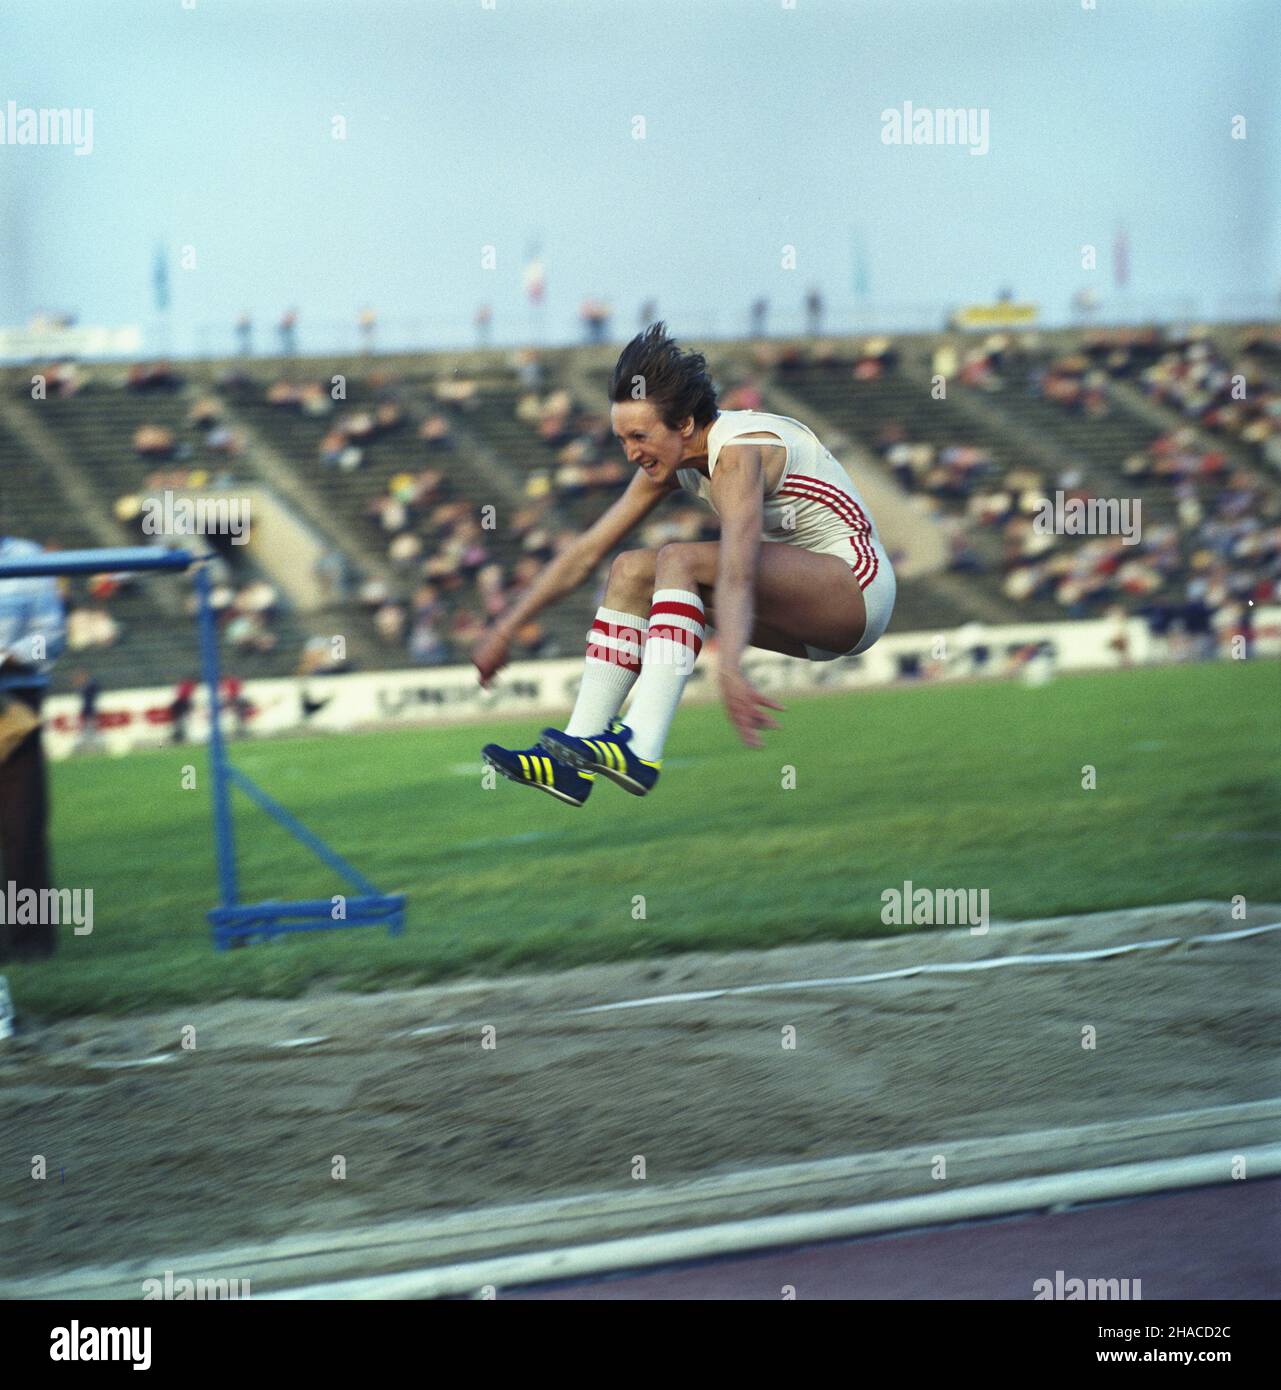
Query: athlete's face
[648,443]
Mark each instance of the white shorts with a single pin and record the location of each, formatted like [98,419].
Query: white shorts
[878,596]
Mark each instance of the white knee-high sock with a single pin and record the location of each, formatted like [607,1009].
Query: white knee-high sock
[613,663]
[676,629]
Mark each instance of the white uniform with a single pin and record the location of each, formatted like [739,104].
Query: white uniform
[814,505]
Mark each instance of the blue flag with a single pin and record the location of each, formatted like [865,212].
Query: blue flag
[859,261]
[160,279]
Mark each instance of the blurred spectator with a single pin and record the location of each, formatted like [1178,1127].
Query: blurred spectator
[1119,634]
[389,622]
[317,658]
[404,548]
[459,391]
[595,314]
[427,646]
[88,739]
[180,708]
[331,572]
[374,593]
[529,370]
[367,324]
[152,376]
[31,638]
[530,641]
[247,631]
[745,397]
[205,413]
[62,380]
[91,627]
[288,329]
[221,440]
[231,694]
[435,432]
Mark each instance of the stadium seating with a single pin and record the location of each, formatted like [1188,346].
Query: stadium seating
[395,475]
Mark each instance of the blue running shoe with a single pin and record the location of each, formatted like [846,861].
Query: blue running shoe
[532,767]
[609,753]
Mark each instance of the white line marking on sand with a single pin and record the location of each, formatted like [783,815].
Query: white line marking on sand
[788,986]
[156,1061]
[958,968]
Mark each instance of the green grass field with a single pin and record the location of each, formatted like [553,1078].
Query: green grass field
[967,786]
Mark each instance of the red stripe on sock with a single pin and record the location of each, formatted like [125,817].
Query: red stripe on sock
[616,630]
[631,636]
[615,658]
[677,610]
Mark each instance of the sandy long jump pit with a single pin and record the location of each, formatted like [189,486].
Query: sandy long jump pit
[449,1105]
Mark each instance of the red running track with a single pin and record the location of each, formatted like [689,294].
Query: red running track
[1209,1243]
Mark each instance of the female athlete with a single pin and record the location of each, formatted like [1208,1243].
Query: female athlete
[798,569]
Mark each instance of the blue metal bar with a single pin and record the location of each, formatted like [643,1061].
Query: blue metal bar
[299,831]
[233,920]
[309,907]
[219,768]
[266,920]
[124,560]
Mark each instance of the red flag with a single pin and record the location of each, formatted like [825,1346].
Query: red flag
[535,281]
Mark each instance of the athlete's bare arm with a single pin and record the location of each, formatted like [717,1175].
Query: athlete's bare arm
[738,494]
[572,567]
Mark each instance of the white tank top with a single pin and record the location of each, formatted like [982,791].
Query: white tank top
[815,505]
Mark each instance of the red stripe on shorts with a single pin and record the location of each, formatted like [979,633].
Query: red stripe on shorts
[845,507]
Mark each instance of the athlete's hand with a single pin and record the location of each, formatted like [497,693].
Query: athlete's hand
[746,708]
[490,654]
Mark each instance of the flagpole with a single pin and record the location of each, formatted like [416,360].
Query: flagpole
[160,289]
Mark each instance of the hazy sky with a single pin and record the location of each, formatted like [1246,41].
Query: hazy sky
[470,126]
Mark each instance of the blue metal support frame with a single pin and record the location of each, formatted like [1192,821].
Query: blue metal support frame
[224,834]
[234,922]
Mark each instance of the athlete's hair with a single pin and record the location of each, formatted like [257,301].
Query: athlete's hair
[652,367]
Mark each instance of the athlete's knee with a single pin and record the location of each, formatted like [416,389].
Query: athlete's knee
[633,571]
[689,561]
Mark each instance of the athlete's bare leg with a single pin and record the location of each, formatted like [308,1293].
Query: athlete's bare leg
[801,598]
[631,581]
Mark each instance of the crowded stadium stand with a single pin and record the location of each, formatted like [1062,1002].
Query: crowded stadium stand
[434,487]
